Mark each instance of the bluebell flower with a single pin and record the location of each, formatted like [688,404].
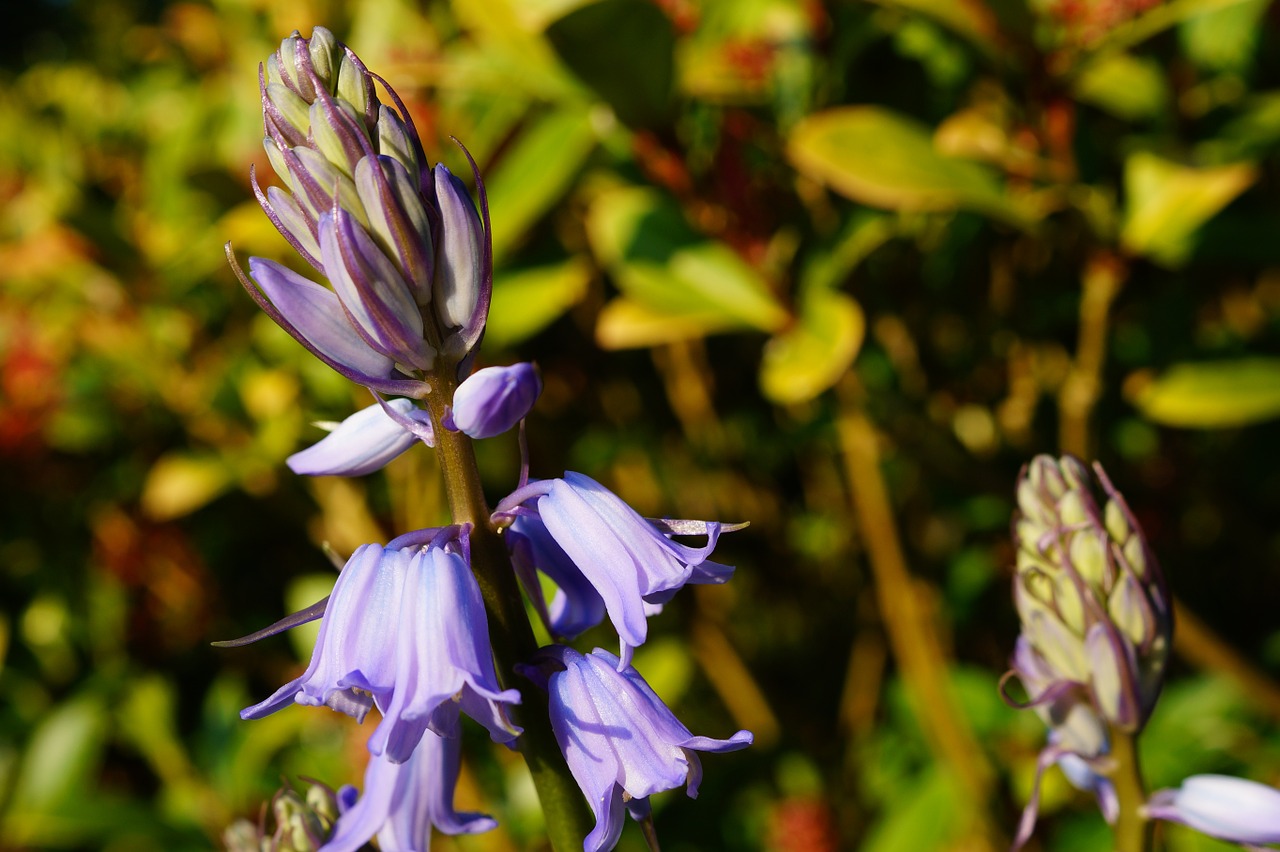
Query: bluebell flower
[577,606]
[402,802]
[622,743]
[366,441]
[492,400]
[631,563]
[1231,809]
[405,629]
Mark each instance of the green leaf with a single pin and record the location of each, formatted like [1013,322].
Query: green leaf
[928,814]
[1166,203]
[1126,86]
[884,159]
[528,300]
[666,269]
[624,50]
[1212,395]
[1250,135]
[536,173]
[813,354]
[59,764]
[1224,40]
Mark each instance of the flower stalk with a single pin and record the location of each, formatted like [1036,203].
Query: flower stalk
[510,633]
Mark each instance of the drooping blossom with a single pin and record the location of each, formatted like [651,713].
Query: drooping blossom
[366,441]
[405,629]
[402,802]
[1231,809]
[622,743]
[631,563]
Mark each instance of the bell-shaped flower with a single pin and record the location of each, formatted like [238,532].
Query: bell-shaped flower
[366,441]
[402,802]
[577,606]
[404,628]
[1231,809]
[631,562]
[622,743]
[492,400]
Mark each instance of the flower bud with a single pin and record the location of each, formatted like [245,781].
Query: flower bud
[360,204]
[1093,606]
[494,399]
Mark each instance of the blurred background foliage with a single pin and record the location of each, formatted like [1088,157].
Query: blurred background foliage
[835,268]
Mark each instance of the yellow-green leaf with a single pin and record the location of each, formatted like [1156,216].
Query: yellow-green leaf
[1210,395]
[528,300]
[812,355]
[1166,203]
[884,159]
[179,483]
[627,324]
[1125,86]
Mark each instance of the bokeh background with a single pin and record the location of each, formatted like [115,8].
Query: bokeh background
[838,269]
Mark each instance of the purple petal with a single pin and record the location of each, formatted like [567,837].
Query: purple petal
[1231,809]
[402,801]
[442,650]
[492,400]
[317,315]
[398,221]
[459,252]
[372,291]
[364,442]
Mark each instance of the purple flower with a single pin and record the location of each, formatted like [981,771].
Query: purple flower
[366,441]
[403,801]
[577,606]
[622,743]
[628,560]
[405,628]
[1230,809]
[494,399]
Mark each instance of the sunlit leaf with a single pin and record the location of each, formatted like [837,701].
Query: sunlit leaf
[813,354]
[527,300]
[1156,19]
[887,160]
[927,815]
[627,324]
[1225,39]
[664,266]
[179,483]
[1167,202]
[535,173]
[1251,134]
[1210,395]
[1126,86]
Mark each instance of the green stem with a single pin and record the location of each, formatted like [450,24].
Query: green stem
[1133,831]
[567,817]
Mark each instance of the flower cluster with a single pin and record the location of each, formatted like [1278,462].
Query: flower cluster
[407,258]
[1097,626]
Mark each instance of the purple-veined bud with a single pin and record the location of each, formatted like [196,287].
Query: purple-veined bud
[492,400]
[1231,809]
[464,264]
[1092,601]
[361,205]
[295,822]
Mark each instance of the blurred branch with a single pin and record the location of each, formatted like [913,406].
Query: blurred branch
[1104,275]
[913,638]
[1196,643]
